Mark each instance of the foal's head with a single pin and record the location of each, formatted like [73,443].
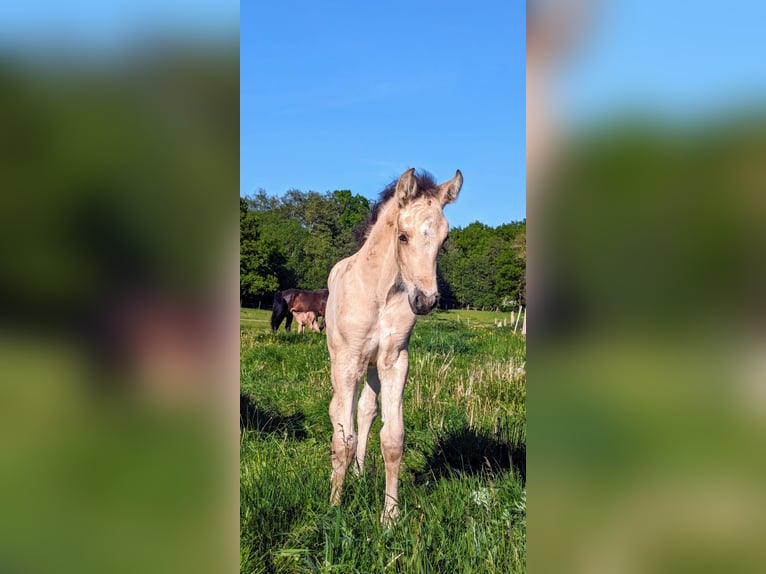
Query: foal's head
[420,229]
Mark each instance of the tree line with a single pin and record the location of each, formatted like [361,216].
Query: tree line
[294,240]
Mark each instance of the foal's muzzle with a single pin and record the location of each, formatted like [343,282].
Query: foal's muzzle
[421,303]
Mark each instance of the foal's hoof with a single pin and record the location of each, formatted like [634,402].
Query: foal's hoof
[390,516]
[335,497]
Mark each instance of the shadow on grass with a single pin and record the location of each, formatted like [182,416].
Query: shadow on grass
[253,417]
[467,452]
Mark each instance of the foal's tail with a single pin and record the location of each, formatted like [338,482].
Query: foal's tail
[278,311]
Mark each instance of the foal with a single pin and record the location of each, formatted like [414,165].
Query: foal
[306,319]
[375,296]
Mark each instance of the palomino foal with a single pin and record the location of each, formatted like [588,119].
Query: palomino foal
[306,319]
[375,296]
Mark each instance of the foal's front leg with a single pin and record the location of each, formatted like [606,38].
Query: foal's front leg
[392,369]
[345,382]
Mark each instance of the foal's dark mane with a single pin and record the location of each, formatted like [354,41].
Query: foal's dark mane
[427,187]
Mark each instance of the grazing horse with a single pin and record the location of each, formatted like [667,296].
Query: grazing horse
[375,296]
[290,300]
[306,319]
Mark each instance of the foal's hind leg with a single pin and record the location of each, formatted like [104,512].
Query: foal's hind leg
[365,415]
[345,383]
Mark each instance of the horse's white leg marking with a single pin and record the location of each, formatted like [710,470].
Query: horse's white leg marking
[393,374]
[346,375]
[365,414]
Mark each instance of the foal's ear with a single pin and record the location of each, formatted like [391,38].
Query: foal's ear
[449,189]
[406,187]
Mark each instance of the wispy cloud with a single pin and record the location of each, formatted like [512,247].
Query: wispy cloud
[341,96]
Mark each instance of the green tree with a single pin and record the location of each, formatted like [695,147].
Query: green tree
[257,276]
[303,234]
[294,241]
[511,264]
[481,266]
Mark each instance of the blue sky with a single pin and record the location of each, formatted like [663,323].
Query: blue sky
[682,60]
[348,95]
[85,26]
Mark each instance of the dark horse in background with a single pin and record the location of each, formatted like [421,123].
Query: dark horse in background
[289,300]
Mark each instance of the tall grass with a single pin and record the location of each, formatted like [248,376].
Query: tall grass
[462,485]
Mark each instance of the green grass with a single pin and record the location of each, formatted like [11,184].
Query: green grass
[462,489]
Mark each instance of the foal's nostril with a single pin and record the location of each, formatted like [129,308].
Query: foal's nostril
[422,303]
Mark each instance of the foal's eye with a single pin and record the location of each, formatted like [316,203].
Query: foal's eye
[402,238]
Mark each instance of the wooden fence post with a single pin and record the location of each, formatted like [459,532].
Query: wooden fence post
[524,324]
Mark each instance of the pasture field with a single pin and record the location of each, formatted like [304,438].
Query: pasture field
[462,484]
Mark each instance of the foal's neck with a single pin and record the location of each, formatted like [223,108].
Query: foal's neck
[378,254]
